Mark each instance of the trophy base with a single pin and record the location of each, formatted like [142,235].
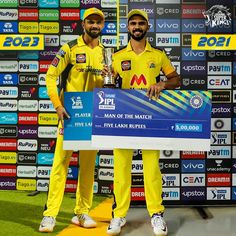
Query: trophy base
[109,86]
[109,83]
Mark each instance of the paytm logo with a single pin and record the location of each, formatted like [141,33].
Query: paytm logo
[168,25]
[221,152]
[219,68]
[28,66]
[168,40]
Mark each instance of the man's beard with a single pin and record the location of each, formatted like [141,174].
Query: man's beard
[138,38]
[93,35]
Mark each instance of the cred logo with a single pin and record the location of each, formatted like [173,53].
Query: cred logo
[138,80]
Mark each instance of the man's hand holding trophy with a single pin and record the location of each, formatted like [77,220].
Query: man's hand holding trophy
[109,80]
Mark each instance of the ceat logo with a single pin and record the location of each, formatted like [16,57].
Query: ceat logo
[138,80]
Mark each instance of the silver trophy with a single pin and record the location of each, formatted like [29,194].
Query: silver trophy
[107,56]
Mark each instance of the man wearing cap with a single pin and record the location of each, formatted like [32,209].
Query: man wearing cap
[138,66]
[79,63]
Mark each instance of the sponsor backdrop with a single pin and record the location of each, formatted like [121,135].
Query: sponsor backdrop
[28,122]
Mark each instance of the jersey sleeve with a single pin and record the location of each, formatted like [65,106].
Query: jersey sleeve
[58,65]
[167,66]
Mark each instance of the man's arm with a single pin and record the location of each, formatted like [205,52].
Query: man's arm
[172,82]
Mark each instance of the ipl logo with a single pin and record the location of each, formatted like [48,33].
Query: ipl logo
[76,102]
[106,101]
[217,15]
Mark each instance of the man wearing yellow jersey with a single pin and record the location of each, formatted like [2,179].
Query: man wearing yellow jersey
[79,63]
[138,66]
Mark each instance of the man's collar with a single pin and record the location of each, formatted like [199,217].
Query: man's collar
[148,47]
[82,43]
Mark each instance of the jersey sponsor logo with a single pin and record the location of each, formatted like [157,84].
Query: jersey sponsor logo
[126,65]
[55,61]
[139,80]
[81,58]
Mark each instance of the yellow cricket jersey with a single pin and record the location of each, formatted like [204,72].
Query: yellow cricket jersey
[80,67]
[140,71]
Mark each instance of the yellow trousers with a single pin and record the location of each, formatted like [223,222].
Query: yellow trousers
[122,181]
[84,192]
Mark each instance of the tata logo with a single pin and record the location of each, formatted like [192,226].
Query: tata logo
[8,27]
[138,80]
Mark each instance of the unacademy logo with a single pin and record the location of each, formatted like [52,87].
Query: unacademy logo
[217,15]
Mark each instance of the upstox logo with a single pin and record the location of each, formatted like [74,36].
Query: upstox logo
[213,42]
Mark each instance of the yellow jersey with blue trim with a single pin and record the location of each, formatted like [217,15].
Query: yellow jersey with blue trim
[79,67]
[139,71]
